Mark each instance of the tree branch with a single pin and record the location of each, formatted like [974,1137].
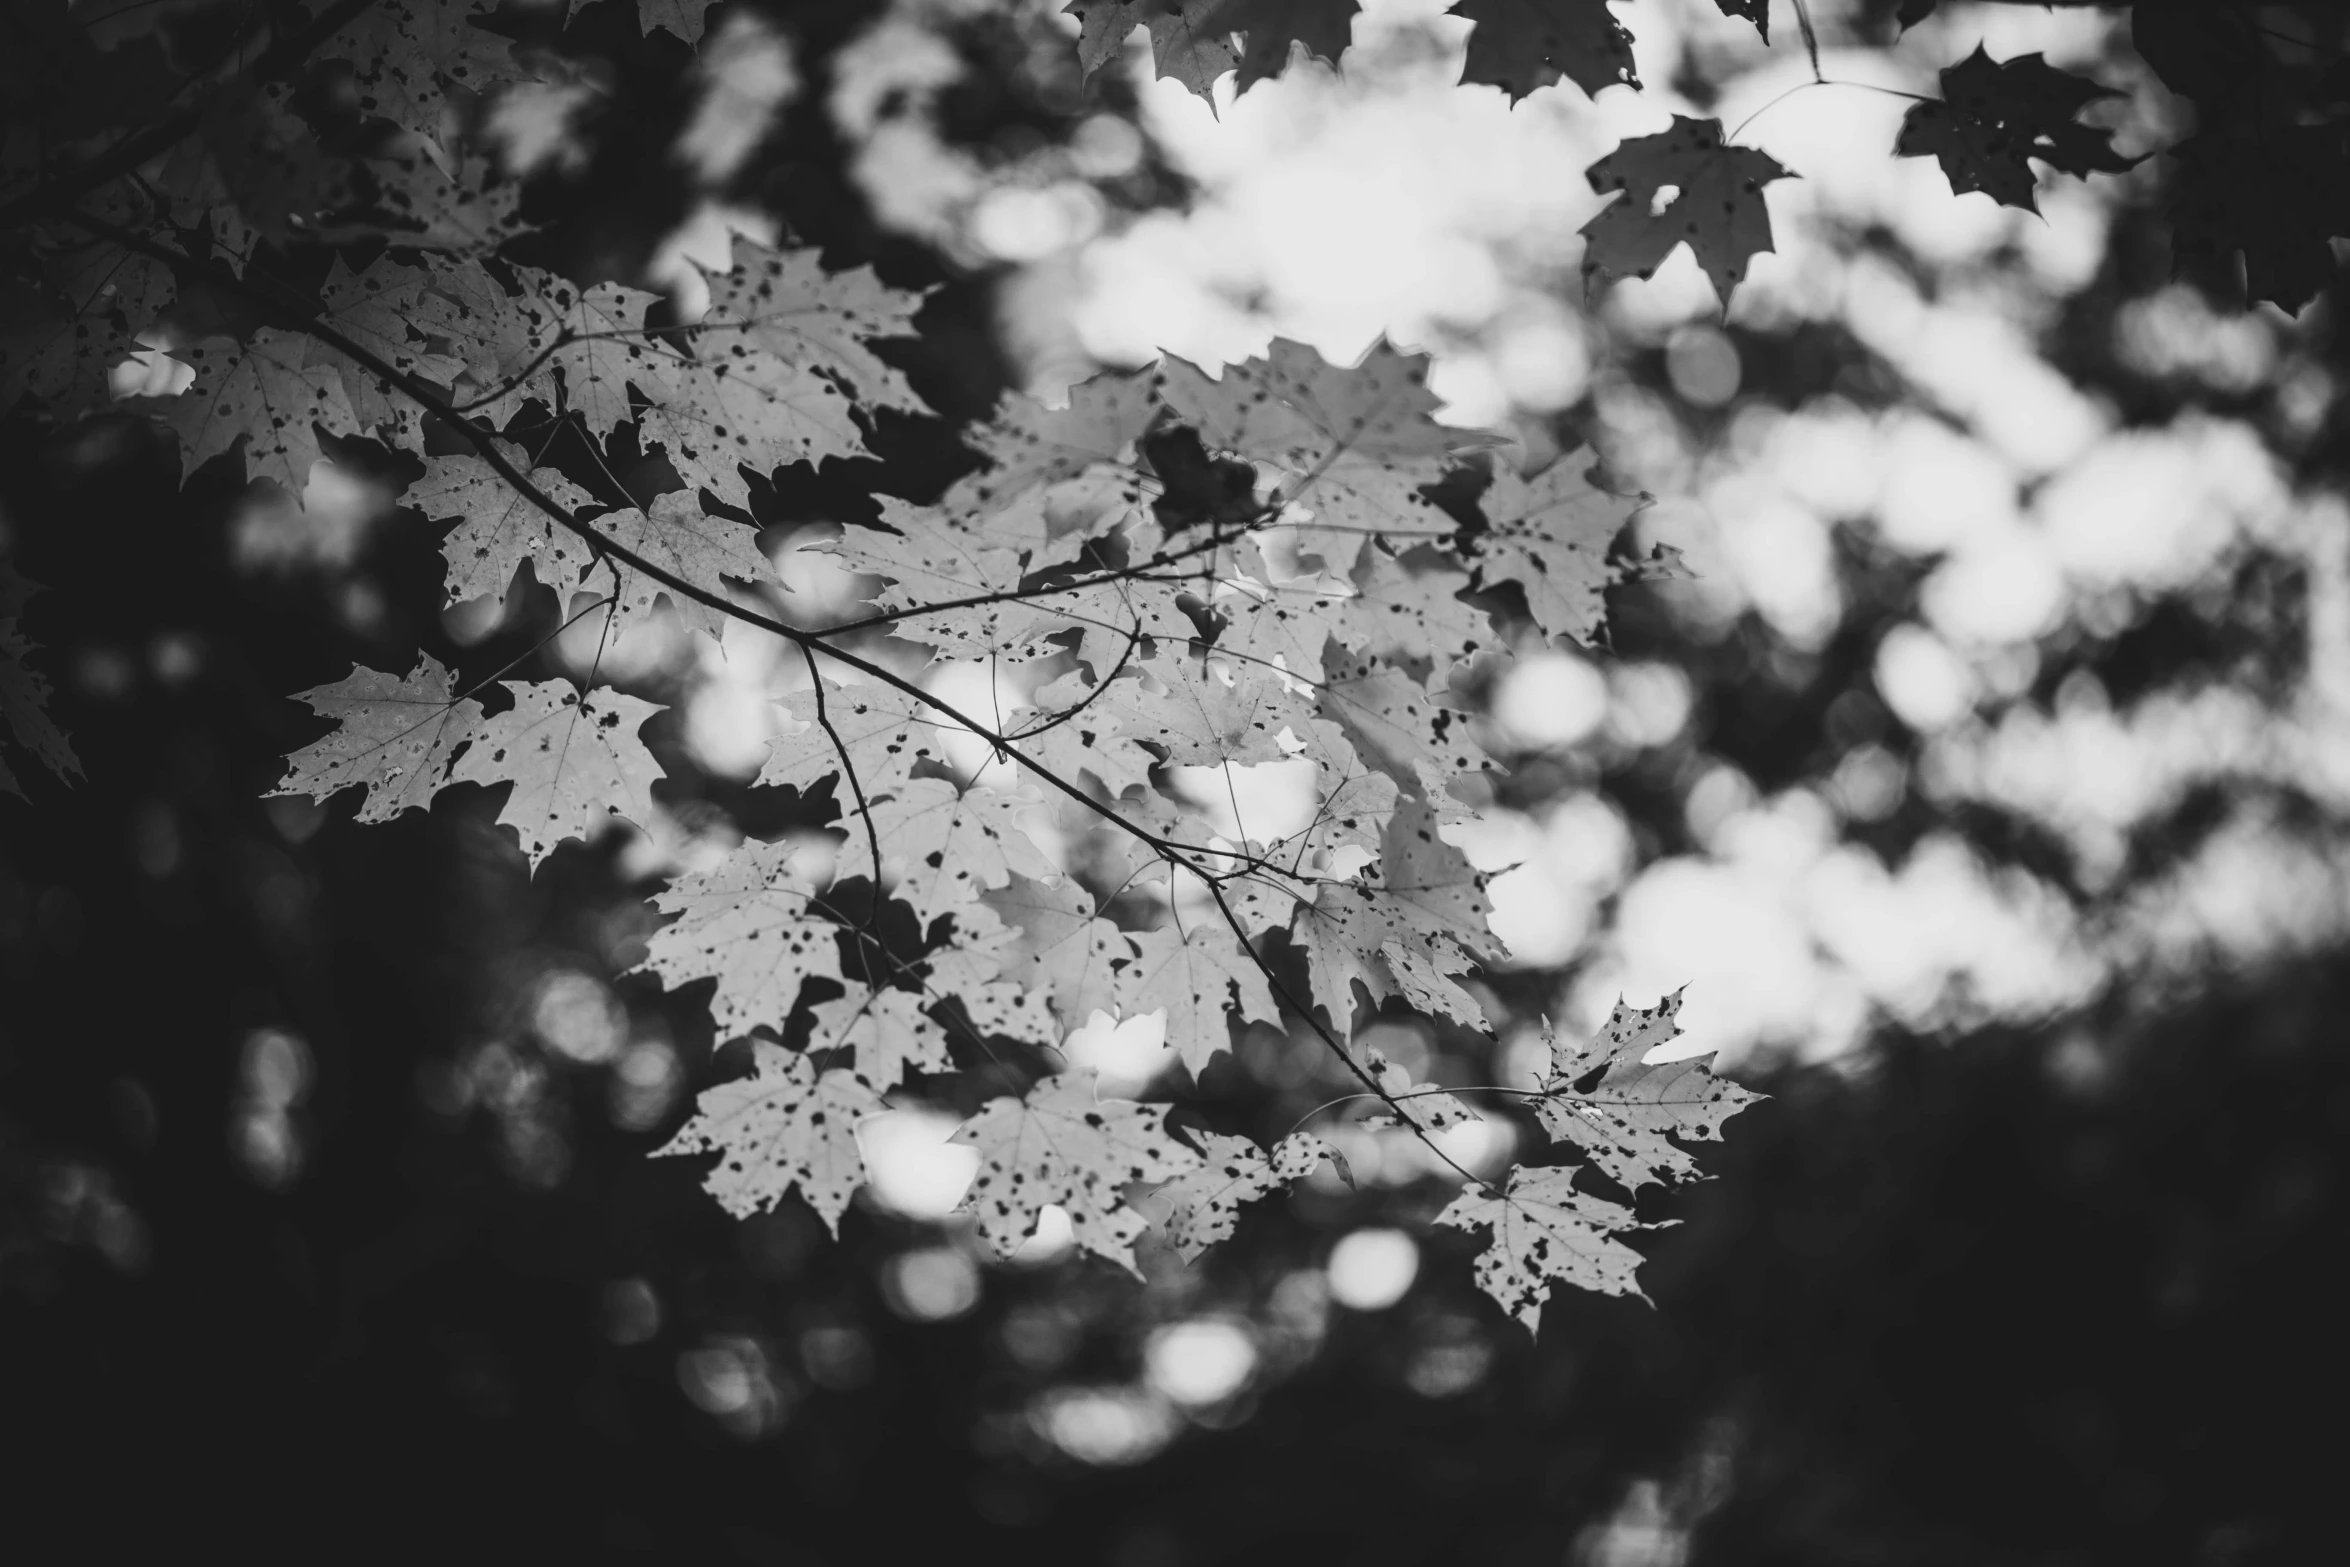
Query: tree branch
[485,442]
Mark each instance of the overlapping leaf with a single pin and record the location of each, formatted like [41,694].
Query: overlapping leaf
[1423,898]
[1061,946]
[394,735]
[1353,446]
[755,924]
[499,529]
[781,1129]
[1717,208]
[269,393]
[779,367]
[1196,41]
[1030,444]
[1521,45]
[887,1032]
[1063,1144]
[407,56]
[576,762]
[24,692]
[685,18]
[1995,116]
[1431,1108]
[1550,535]
[1199,715]
[1418,735]
[886,732]
[1197,975]
[677,536]
[946,846]
[1201,1206]
[1623,1114]
[1546,1233]
[594,336]
[1189,40]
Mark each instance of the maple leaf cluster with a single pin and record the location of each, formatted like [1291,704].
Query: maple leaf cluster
[1335,621]
[1176,575]
[2267,177]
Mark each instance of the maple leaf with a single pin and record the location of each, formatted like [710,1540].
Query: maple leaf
[254,171]
[779,365]
[1189,40]
[1201,1206]
[1996,115]
[427,200]
[886,732]
[24,691]
[1413,615]
[926,556]
[60,339]
[1199,715]
[964,974]
[1431,886]
[500,528]
[594,336]
[1419,736]
[407,55]
[1520,45]
[1054,521]
[1030,444]
[373,309]
[1624,1114]
[1272,30]
[1060,945]
[2277,194]
[94,275]
[575,762]
[1430,1108]
[394,735]
[497,337]
[888,1032]
[956,571]
[1352,803]
[1083,739]
[1717,209]
[1286,624]
[756,925]
[1550,535]
[269,392]
[1427,986]
[1545,1232]
[678,536]
[1423,898]
[1063,1144]
[1193,975]
[1759,13]
[1192,40]
[1110,616]
[781,1128]
[1354,445]
[685,18]
[947,846]
[56,355]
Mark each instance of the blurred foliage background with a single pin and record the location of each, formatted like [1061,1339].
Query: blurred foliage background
[1988,786]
